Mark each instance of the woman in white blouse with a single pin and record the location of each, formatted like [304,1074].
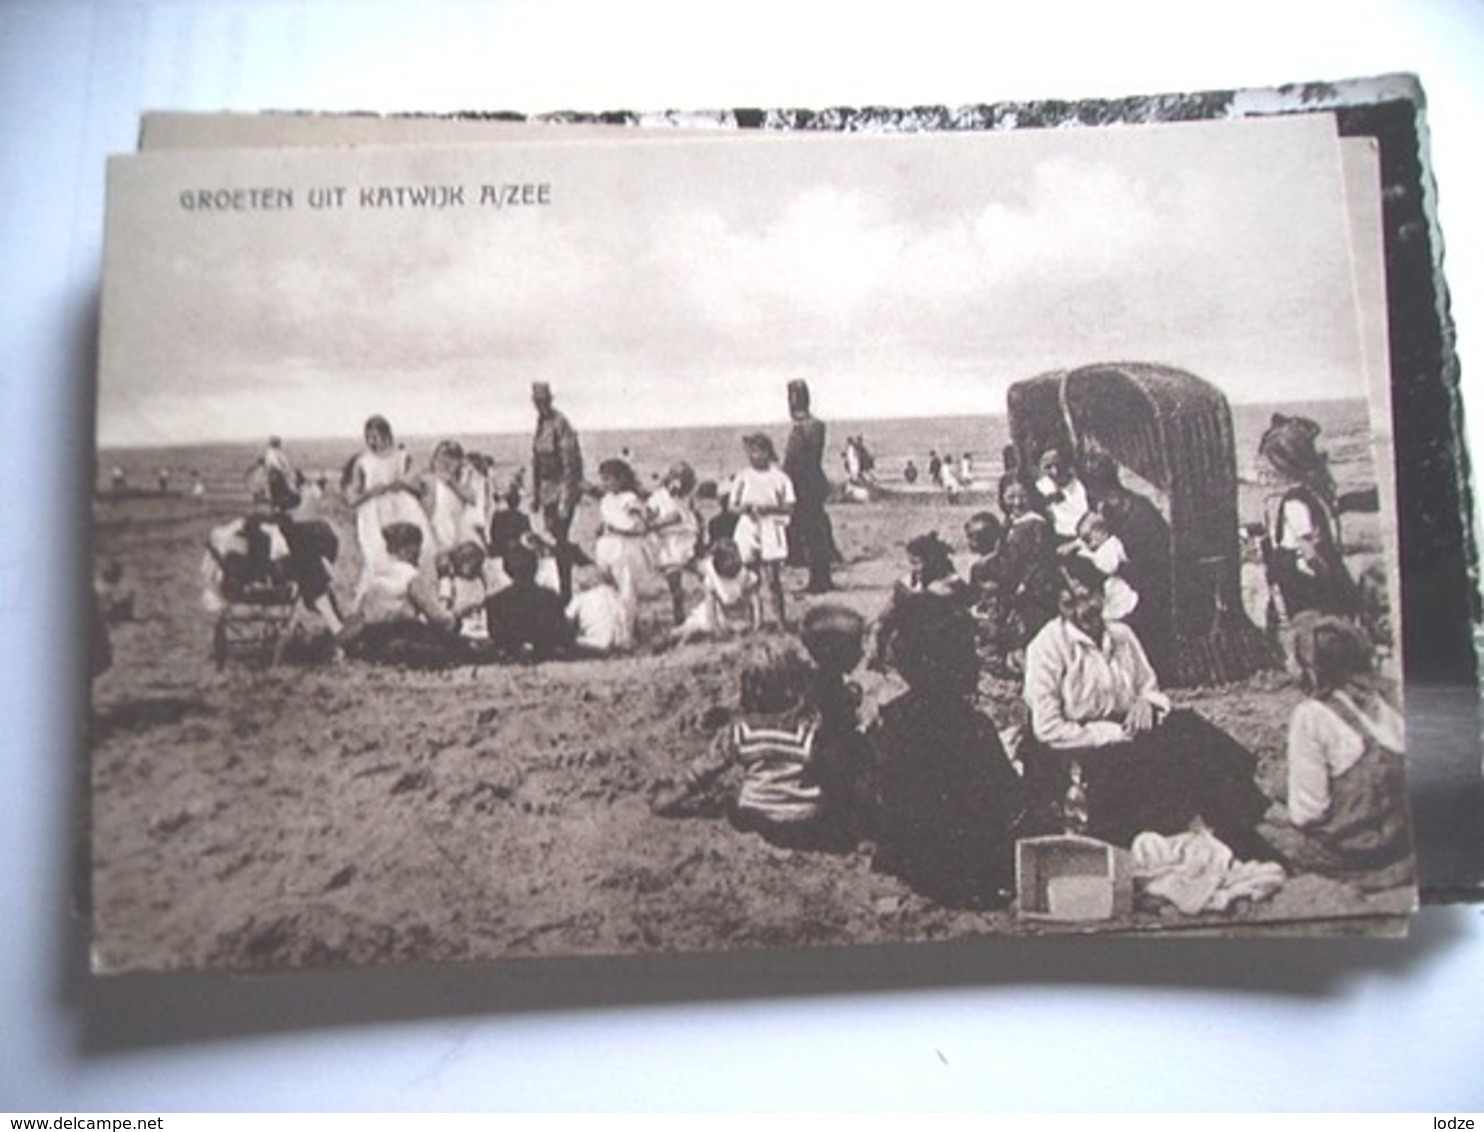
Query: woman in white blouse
[1095,702]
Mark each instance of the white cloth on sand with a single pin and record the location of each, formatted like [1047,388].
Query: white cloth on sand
[1197,872]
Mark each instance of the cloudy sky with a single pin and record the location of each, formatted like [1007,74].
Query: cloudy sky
[685,282]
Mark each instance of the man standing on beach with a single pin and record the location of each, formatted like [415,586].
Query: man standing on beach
[556,478]
[811,541]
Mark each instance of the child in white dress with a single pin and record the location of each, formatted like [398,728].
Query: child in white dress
[455,505]
[381,488]
[677,527]
[599,620]
[463,590]
[763,496]
[1104,549]
[730,598]
[624,544]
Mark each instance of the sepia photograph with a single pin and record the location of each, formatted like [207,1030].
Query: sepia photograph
[603,547]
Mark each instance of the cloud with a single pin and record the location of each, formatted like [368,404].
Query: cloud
[686,287]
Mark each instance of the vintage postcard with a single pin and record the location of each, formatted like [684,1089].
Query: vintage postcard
[731,542]
[1428,462]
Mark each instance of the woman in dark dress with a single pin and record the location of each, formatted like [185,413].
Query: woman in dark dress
[811,539]
[1025,569]
[1145,535]
[947,796]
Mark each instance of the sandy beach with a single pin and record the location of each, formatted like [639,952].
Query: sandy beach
[298,815]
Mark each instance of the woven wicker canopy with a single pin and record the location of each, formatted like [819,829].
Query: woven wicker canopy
[1174,431]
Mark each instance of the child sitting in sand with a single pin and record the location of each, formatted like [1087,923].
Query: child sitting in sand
[599,621]
[399,619]
[1097,543]
[677,528]
[730,599]
[462,589]
[526,620]
[834,636]
[1347,795]
[947,794]
[763,496]
[772,744]
[929,570]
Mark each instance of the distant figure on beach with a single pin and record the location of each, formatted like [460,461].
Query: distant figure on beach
[118,480]
[910,472]
[966,469]
[952,485]
[556,479]
[935,468]
[852,461]
[198,488]
[162,478]
[811,539]
[860,465]
[274,471]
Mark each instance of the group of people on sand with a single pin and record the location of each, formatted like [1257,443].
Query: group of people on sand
[454,570]
[1065,594]
[1049,600]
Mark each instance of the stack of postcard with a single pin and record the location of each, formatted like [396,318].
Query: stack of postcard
[614,534]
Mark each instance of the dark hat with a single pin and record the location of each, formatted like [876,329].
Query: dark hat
[541,390]
[1289,448]
[798,394]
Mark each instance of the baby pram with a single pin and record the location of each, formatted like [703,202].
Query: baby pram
[261,573]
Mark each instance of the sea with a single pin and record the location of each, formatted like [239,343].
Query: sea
[715,452]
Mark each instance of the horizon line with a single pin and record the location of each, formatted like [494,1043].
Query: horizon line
[605,429]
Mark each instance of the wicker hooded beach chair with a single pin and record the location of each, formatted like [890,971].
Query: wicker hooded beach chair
[1173,431]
